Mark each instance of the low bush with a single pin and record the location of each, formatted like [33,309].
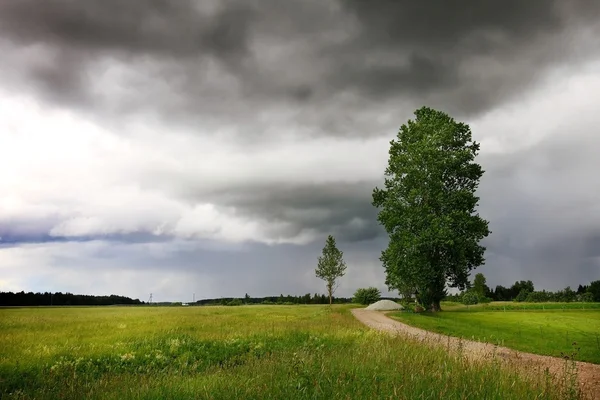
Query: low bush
[537,297]
[470,298]
[586,297]
[522,296]
[367,296]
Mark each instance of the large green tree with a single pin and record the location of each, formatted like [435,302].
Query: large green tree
[428,207]
[331,266]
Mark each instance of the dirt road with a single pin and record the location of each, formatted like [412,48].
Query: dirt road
[588,374]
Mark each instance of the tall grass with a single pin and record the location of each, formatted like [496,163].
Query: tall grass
[251,352]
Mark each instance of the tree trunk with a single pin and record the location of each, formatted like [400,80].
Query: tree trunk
[431,297]
[437,294]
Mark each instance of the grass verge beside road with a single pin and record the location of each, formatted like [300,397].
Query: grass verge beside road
[554,330]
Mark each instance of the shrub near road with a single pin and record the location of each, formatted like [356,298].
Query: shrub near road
[250,352]
[367,296]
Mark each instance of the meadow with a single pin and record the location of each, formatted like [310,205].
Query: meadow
[554,329]
[250,352]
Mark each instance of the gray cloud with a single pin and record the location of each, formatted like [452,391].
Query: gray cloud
[183,29]
[542,205]
[173,272]
[303,65]
[342,209]
[429,49]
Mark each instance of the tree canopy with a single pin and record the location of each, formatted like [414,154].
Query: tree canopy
[594,289]
[428,207]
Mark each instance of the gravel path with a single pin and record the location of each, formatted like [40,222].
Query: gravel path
[588,374]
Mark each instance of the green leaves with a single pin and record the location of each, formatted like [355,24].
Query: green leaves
[367,296]
[428,205]
[594,289]
[331,265]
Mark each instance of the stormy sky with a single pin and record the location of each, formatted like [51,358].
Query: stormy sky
[209,147]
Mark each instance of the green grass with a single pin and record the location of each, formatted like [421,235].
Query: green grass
[512,306]
[249,352]
[555,330]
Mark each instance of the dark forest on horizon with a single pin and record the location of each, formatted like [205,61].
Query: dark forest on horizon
[519,291]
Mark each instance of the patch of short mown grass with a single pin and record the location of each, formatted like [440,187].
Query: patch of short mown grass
[253,352]
[515,306]
[553,332]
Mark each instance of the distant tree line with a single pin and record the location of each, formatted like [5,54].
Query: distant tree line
[524,291]
[70,299]
[62,299]
[279,300]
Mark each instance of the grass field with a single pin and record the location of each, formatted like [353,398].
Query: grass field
[249,352]
[512,306]
[550,329]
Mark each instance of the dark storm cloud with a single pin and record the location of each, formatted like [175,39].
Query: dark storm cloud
[171,29]
[228,62]
[338,208]
[17,231]
[76,35]
[438,40]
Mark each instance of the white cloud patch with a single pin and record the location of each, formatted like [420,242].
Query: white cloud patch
[88,181]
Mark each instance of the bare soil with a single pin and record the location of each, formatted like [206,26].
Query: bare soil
[588,374]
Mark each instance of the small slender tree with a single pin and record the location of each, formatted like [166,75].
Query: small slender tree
[479,285]
[331,266]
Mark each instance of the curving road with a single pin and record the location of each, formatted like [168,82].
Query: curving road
[588,374]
